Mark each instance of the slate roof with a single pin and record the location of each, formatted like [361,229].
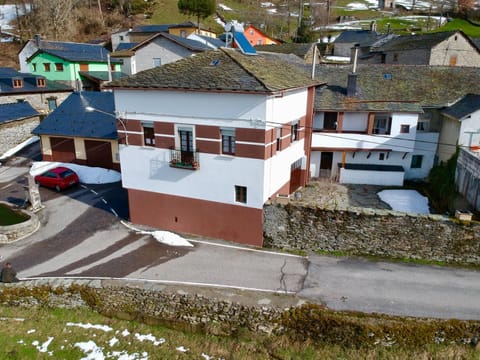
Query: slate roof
[126,46]
[357,36]
[413,42]
[16,111]
[102,75]
[394,87]
[465,106]
[29,83]
[287,48]
[74,52]
[223,70]
[72,119]
[160,28]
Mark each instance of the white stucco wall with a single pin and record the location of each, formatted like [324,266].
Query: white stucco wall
[355,121]
[385,178]
[426,146]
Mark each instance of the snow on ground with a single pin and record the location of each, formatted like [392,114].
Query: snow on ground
[86,174]
[8,14]
[224,7]
[149,337]
[90,326]
[410,201]
[344,59]
[356,6]
[165,237]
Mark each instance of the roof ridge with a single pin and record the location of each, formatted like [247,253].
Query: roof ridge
[225,51]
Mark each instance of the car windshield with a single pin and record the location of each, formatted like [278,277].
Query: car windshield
[66,173]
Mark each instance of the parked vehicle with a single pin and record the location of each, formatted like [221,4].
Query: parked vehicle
[58,178]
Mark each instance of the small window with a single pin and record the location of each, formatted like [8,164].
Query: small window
[279,139]
[34,67]
[17,83]
[453,60]
[241,194]
[395,57]
[259,42]
[228,141]
[416,161]
[41,82]
[83,67]
[52,103]
[148,135]
[294,132]
[121,37]
[112,67]
[58,67]
[330,120]
[381,156]
[46,67]
[157,62]
[251,32]
[404,129]
[423,125]
[183,33]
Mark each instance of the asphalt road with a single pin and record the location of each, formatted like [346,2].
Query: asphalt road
[82,236]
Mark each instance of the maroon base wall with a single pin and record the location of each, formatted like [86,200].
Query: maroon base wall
[205,218]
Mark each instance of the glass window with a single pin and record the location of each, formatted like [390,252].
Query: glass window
[17,83]
[416,161]
[52,103]
[404,129]
[228,141]
[58,67]
[157,62]
[382,124]
[330,120]
[279,139]
[46,67]
[41,82]
[241,194]
[294,132]
[148,135]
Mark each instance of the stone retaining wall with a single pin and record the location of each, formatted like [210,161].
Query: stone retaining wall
[15,132]
[11,233]
[374,232]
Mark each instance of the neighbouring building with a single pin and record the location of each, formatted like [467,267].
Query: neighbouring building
[209,139]
[449,48]
[44,95]
[160,49]
[460,126]
[81,130]
[381,124]
[64,61]
[467,176]
[305,51]
[343,43]
[257,37]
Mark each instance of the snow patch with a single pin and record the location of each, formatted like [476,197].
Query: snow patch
[410,201]
[165,237]
[113,341]
[19,147]
[224,7]
[86,174]
[90,326]
[182,349]
[93,351]
[149,337]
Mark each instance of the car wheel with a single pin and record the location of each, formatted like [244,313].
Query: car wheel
[57,188]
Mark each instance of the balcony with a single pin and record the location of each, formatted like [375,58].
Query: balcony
[184,159]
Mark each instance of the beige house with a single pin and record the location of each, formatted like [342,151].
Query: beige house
[451,48]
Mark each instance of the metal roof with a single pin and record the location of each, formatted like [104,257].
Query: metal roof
[71,118]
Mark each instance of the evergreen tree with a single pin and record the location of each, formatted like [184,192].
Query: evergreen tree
[200,8]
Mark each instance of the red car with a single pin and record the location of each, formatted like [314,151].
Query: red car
[58,178]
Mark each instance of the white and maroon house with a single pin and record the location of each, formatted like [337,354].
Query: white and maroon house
[208,140]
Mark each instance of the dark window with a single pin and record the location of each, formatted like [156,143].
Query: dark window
[404,129]
[148,136]
[52,103]
[241,194]
[279,139]
[294,132]
[112,67]
[41,82]
[34,67]
[381,156]
[395,57]
[228,141]
[17,83]
[58,67]
[382,124]
[330,120]
[46,67]
[186,140]
[416,161]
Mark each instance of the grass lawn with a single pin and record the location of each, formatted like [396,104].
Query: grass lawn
[42,333]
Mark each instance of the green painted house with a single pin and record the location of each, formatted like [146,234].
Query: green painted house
[68,62]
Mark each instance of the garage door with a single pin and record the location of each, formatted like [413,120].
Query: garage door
[63,149]
[99,153]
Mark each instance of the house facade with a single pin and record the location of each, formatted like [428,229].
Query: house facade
[44,95]
[81,130]
[460,127]
[207,168]
[381,125]
[452,48]
[257,37]
[63,61]
[160,49]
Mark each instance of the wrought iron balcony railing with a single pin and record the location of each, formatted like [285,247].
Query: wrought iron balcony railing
[184,159]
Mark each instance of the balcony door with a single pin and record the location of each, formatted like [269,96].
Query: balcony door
[186,145]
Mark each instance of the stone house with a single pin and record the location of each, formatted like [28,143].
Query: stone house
[306,52]
[210,139]
[16,123]
[452,48]
[343,44]
[42,94]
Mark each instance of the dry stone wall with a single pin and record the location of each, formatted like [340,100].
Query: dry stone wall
[371,232]
[15,132]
